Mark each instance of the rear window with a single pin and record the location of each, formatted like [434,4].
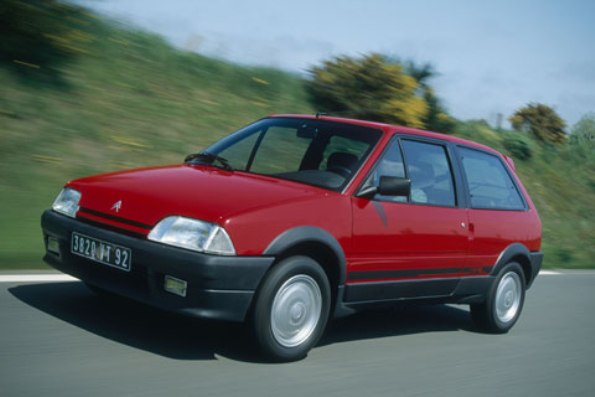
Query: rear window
[490,185]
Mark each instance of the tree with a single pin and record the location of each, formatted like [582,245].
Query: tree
[369,87]
[436,118]
[540,120]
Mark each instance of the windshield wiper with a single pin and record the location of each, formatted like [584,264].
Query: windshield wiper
[209,158]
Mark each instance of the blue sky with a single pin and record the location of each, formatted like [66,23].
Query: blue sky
[492,56]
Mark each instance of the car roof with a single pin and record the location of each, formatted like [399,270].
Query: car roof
[392,129]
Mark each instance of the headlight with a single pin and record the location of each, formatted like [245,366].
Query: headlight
[192,234]
[67,202]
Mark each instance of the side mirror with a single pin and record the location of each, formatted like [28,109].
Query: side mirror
[388,186]
[394,186]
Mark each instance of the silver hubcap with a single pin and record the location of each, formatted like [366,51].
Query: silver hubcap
[296,310]
[508,297]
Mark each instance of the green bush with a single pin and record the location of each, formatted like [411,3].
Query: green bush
[540,120]
[369,87]
[517,145]
[582,141]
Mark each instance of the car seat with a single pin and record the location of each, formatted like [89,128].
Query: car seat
[342,163]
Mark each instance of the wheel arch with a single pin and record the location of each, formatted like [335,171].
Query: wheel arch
[316,243]
[515,252]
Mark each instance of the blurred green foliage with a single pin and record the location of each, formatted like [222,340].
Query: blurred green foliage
[379,88]
[540,120]
[369,87]
[36,36]
[582,138]
[518,145]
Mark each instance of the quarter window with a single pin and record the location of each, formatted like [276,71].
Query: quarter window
[390,164]
[490,185]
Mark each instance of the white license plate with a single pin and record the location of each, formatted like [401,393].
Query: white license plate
[101,251]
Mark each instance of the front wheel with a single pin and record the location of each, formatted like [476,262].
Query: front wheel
[291,309]
[504,302]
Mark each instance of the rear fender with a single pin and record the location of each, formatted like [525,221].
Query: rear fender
[517,252]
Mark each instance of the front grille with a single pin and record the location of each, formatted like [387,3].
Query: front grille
[112,228]
[115,218]
[113,223]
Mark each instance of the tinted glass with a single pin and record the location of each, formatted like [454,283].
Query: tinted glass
[281,150]
[390,164]
[316,152]
[429,169]
[490,185]
[239,154]
[341,144]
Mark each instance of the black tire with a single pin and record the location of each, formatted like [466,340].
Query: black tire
[291,309]
[504,302]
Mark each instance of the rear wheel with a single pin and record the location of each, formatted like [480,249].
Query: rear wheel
[504,302]
[291,309]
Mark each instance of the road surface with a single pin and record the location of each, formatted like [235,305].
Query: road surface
[58,339]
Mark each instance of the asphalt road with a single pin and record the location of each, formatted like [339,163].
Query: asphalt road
[58,339]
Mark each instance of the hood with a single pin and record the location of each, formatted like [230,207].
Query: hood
[145,196]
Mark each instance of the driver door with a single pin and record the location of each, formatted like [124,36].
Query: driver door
[422,236]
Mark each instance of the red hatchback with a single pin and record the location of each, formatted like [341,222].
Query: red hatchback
[294,219]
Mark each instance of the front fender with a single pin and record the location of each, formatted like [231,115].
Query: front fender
[308,234]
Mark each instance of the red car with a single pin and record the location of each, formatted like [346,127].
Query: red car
[295,219]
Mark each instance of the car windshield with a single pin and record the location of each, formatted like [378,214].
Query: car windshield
[316,152]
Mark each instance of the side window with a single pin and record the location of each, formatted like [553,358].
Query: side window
[390,164]
[430,173]
[490,186]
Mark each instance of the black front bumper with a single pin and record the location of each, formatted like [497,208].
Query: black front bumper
[219,287]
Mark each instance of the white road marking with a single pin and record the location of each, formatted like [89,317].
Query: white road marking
[34,278]
[548,273]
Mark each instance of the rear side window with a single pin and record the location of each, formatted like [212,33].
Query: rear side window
[490,185]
